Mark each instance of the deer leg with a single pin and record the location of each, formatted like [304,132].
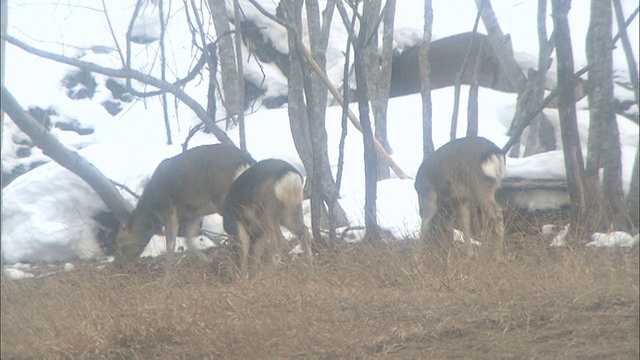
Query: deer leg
[258,246]
[428,209]
[171,227]
[464,221]
[295,224]
[275,241]
[242,245]
[496,222]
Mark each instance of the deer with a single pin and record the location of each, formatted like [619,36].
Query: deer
[459,182]
[181,190]
[265,197]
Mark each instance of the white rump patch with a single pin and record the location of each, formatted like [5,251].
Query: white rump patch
[289,189]
[494,166]
[240,170]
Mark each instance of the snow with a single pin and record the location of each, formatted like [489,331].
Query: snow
[47,213]
[614,239]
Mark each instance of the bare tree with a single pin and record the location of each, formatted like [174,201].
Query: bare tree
[573,159]
[240,77]
[350,25]
[540,136]
[233,102]
[362,69]
[626,45]
[632,200]
[529,91]
[307,108]
[425,82]
[209,57]
[604,144]
[501,45]
[163,71]
[457,87]
[378,74]
[5,17]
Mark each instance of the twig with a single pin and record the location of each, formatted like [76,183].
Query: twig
[125,188]
[456,96]
[163,71]
[113,34]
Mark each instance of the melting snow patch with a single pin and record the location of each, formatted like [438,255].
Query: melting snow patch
[16,274]
[560,239]
[458,236]
[613,239]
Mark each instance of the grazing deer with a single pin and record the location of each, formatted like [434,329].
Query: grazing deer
[263,198]
[460,179]
[182,189]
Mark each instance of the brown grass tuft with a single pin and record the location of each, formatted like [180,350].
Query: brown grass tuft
[398,300]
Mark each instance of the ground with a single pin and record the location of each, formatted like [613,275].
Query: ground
[384,300]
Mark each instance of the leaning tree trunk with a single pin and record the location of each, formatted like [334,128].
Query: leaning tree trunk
[604,138]
[501,47]
[573,159]
[69,159]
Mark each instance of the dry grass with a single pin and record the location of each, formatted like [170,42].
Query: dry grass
[360,301]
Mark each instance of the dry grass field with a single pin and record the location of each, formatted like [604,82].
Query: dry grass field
[398,300]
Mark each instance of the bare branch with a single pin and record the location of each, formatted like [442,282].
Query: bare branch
[136,11]
[129,73]
[352,117]
[113,34]
[456,98]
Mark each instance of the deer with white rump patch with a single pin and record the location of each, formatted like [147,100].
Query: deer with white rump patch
[266,196]
[460,180]
[182,190]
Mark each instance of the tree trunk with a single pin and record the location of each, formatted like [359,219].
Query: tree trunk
[240,77]
[5,18]
[378,74]
[69,159]
[604,144]
[633,197]
[540,137]
[573,159]
[308,118]
[626,45]
[232,102]
[501,46]
[370,158]
[425,82]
